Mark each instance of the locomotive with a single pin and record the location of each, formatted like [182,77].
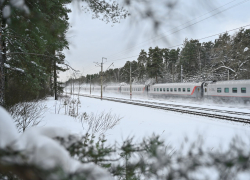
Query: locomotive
[235,90]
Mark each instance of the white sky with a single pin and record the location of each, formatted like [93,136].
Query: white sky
[91,39]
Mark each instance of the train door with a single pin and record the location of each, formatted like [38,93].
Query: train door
[202,90]
[147,88]
[205,89]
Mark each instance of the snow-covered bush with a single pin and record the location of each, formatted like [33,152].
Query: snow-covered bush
[36,154]
[99,122]
[70,105]
[153,159]
[27,114]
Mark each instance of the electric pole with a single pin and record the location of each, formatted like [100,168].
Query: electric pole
[181,73]
[130,82]
[90,85]
[172,72]
[101,76]
[98,64]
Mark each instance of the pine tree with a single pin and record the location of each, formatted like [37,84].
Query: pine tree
[190,57]
[155,63]
[142,61]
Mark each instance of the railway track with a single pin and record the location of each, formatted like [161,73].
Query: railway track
[206,112]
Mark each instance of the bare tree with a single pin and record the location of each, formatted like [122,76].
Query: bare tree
[99,122]
[27,114]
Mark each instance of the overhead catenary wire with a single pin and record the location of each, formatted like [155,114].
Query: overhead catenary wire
[183,44]
[178,44]
[144,42]
[184,28]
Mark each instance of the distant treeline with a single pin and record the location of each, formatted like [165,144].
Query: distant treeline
[229,55]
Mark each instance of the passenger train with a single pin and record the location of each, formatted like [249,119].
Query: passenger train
[236,90]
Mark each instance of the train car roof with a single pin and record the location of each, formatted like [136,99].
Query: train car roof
[231,82]
[113,86]
[141,85]
[177,84]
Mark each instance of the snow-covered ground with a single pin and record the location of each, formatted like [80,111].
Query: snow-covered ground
[143,121]
[137,121]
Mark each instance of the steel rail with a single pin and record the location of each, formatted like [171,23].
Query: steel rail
[190,107]
[205,114]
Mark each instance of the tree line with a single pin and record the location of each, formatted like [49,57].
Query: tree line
[227,57]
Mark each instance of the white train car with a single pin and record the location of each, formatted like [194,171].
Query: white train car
[96,88]
[236,90]
[190,90]
[112,89]
[136,89]
[86,88]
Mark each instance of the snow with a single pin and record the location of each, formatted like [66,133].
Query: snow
[8,131]
[6,65]
[19,69]
[13,68]
[6,11]
[42,150]
[140,122]
[246,49]
[34,63]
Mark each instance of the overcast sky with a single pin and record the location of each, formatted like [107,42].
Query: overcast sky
[91,39]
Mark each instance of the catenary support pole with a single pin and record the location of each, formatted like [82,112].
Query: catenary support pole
[181,74]
[90,85]
[101,76]
[130,82]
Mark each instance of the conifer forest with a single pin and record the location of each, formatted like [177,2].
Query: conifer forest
[228,56]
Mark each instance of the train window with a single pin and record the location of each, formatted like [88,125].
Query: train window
[188,89]
[198,89]
[157,89]
[154,89]
[183,89]
[218,90]
[234,90]
[160,89]
[205,89]
[243,90]
[171,89]
[179,89]
[167,89]
[226,90]
[164,89]
[175,89]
